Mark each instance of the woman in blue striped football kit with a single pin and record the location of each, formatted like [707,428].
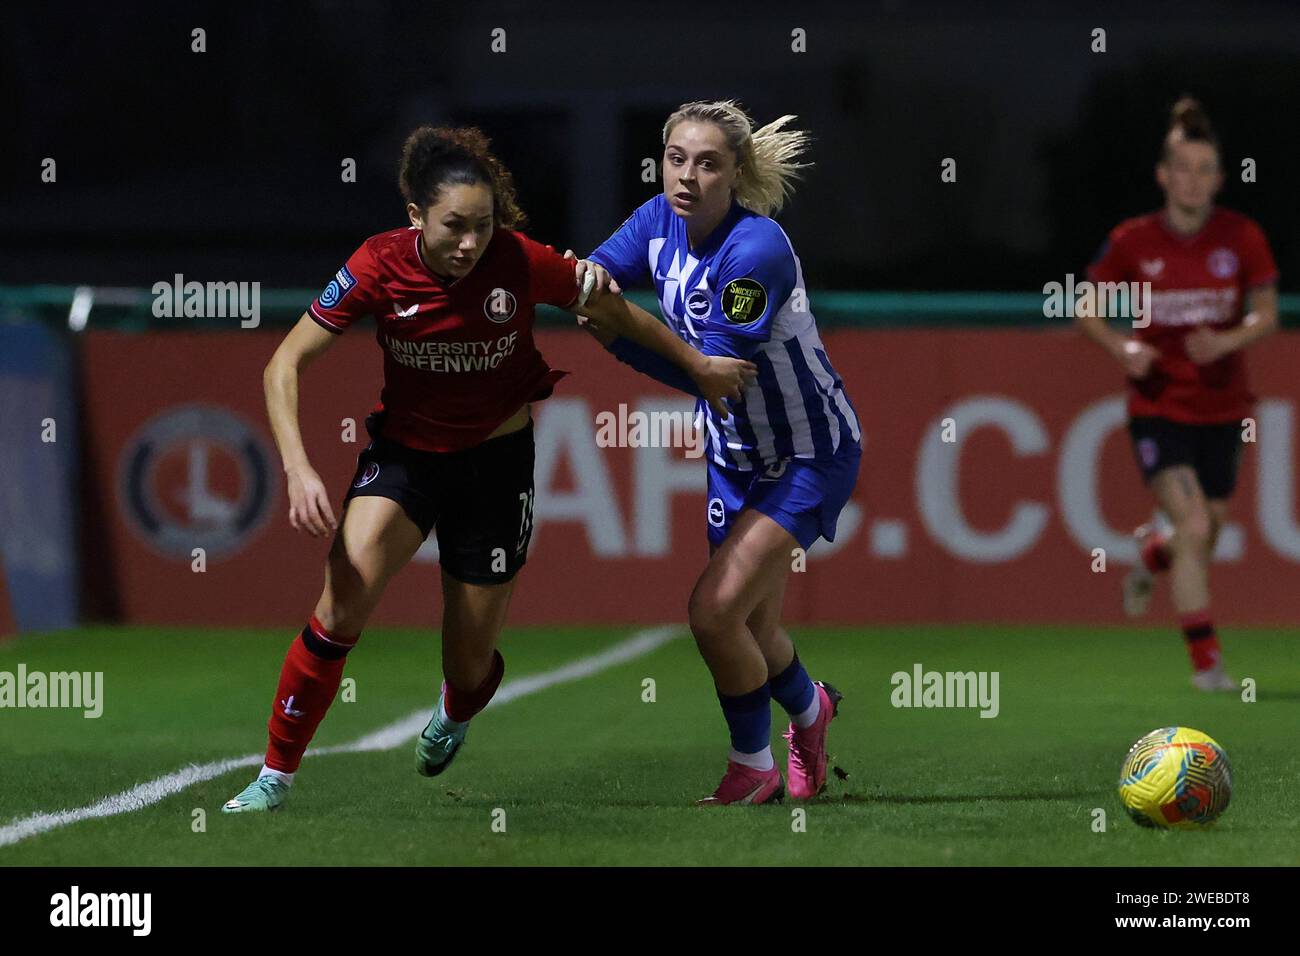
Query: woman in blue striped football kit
[783,463]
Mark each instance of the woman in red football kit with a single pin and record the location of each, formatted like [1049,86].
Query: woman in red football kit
[1213,293]
[453,299]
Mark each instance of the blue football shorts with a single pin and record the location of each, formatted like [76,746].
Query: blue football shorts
[803,495]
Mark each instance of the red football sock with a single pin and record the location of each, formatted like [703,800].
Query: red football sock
[310,678]
[1202,641]
[462,705]
[1155,553]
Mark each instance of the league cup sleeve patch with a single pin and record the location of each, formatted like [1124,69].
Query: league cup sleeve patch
[743,301]
[342,283]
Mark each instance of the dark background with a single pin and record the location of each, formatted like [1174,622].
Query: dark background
[225,165]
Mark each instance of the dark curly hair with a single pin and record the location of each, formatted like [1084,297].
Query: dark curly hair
[438,156]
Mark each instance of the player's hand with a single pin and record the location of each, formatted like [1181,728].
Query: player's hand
[720,377]
[1137,358]
[309,503]
[602,281]
[1205,346]
[593,328]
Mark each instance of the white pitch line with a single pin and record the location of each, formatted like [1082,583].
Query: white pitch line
[386,738]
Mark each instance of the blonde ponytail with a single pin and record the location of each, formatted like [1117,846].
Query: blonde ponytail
[768,157]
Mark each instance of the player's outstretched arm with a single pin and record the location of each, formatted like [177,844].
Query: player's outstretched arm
[718,377]
[648,363]
[309,505]
[594,280]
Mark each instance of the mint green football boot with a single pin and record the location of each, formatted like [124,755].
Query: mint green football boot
[438,743]
[263,794]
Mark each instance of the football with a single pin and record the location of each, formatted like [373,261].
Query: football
[1176,777]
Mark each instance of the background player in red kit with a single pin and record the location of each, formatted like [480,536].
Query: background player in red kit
[452,448]
[1188,392]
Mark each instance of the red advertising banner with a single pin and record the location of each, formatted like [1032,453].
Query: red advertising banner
[997,482]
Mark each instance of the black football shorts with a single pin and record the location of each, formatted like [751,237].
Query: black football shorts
[479,500]
[1213,451]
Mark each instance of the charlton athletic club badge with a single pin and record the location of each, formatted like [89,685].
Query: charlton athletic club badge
[196,476]
[1222,263]
[499,306]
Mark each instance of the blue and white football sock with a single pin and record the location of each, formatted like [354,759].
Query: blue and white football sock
[759,761]
[749,719]
[794,691]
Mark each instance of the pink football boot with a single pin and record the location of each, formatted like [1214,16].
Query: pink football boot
[741,784]
[807,769]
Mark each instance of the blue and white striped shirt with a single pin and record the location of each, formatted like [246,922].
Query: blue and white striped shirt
[741,293]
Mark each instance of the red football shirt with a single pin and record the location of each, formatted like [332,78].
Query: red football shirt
[1195,280]
[459,357]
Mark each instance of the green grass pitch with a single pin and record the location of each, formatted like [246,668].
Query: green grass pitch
[589,773]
